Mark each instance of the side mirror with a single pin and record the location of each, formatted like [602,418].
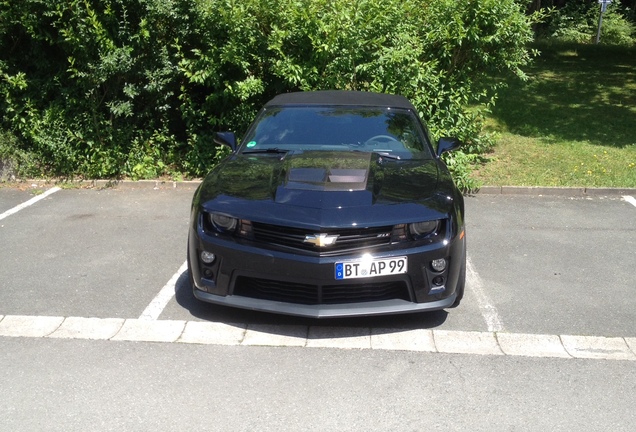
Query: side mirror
[447,144]
[226,139]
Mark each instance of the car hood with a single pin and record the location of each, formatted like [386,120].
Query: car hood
[325,188]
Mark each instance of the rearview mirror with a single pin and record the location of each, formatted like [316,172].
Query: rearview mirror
[447,144]
[226,139]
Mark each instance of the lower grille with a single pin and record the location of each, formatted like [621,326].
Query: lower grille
[265,289]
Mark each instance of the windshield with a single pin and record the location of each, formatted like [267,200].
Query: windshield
[393,132]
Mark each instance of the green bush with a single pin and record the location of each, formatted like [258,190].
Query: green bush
[578,23]
[136,88]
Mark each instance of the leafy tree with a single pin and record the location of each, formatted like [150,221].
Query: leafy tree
[136,87]
[577,22]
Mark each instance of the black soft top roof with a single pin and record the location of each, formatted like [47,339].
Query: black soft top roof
[341,98]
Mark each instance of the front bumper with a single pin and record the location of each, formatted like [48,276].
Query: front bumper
[220,282]
[343,310]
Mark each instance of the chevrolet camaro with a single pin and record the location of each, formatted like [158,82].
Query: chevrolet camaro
[334,204]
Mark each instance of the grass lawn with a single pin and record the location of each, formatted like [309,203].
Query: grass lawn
[573,123]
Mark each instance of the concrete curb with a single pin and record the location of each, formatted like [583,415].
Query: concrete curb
[416,340]
[554,191]
[110,184]
[193,184]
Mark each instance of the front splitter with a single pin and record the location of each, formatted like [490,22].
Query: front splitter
[384,307]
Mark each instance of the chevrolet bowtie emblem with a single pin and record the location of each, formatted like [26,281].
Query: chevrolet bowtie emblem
[321,240]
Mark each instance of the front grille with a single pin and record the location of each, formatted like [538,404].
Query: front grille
[349,239]
[266,289]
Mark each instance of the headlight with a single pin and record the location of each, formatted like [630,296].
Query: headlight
[421,229]
[223,222]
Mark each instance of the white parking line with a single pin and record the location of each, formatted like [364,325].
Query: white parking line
[488,310]
[419,340]
[630,199]
[29,202]
[161,300]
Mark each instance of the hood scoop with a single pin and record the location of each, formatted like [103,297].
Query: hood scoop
[327,179]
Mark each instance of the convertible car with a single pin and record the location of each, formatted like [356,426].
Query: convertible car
[334,204]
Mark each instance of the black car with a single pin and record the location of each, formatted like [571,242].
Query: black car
[335,204]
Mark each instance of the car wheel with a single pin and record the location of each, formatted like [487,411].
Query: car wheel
[461,283]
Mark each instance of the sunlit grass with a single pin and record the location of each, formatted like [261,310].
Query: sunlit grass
[572,124]
[523,161]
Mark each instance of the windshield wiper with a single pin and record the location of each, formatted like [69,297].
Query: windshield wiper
[274,150]
[388,155]
[380,153]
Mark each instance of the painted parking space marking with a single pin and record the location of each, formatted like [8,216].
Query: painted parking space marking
[420,340]
[161,300]
[29,202]
[486,307]
[630,199]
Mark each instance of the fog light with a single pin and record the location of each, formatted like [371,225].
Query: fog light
[438,281]
[207,257]
[208,274]
[438,264]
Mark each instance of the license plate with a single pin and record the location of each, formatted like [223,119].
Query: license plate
[371,268]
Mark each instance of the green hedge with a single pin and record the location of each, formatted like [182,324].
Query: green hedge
[114,88]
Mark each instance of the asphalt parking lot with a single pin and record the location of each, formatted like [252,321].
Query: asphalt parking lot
[537,264]
[550,270]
